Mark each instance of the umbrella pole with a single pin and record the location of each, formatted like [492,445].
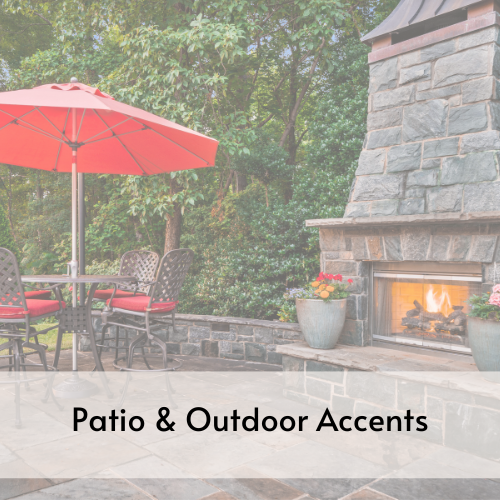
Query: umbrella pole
[74,242]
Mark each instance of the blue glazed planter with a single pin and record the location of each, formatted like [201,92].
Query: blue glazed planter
[321,322]
[484,340]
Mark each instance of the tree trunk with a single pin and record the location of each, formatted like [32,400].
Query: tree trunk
[173,229]
[174,222]
[241,182]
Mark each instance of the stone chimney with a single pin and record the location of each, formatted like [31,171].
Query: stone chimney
[433,138]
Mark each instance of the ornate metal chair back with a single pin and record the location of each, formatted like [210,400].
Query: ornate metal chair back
[171,274]
[11,288]
[141,264]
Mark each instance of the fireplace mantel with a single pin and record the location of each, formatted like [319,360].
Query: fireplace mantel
[395,220]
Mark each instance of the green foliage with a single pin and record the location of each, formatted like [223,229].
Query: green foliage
[480,308]
[6,239]
[288,312]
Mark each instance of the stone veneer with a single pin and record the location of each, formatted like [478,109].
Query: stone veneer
[348,249]
[220,337]
[433,137]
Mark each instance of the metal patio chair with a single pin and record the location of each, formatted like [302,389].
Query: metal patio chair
[139,263]
[144,313]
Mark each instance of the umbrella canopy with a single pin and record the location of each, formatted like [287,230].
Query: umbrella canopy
[41,127]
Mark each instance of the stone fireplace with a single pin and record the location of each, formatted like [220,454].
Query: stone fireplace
[420,233]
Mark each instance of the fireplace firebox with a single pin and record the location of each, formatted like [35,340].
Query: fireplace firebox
[424,304]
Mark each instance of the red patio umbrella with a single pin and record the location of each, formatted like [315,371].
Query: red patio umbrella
[72,127]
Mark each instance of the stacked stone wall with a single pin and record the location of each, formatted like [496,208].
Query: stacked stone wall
[433,141]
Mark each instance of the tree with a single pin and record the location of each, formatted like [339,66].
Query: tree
[6,239]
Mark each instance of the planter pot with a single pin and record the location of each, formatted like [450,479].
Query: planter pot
[484,339]
[321,322]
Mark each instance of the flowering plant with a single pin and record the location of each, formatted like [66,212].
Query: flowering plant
[326,287]
[487,305]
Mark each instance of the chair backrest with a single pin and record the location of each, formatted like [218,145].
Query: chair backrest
[11,287]
[171,274]
[141,264]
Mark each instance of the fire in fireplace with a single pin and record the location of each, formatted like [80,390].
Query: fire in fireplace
[423,309]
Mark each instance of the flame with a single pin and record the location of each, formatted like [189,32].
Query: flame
[438,301]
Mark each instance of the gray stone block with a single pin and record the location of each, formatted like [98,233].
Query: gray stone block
[224,347]
[474,167]
[274,358]
[479,37]
[229,355]
[415,192]
[496,61]
[384,207]
[436,51]
[444,199]
[378,187]
[245,330]
[460,67]
[173,348]
[190,349]
[359,250]
[392,246]
[238,348]
[210,349]
[460,246]
[411,395]
[435,408]
[428,164]
[347,267]
[441,93]
[223,336]
[384,138]
[422,178]
[484,141]
[425,121]
[179,334]
[332,373]
[371,162]
[318,389]
[468,119]
[291,364]
[495,115]
[484,197]
[441,147]
[385,119]
[423,86]
[383,75]
[406,157]
[375,247]
[415,74]
[394,98]
[409,59]
[355,332]
[478,90]
[197,333]
[263,335]
[439,247]
[376,389]
[357,210]
[483,248]
[411,206]
[255,352]
[415,244]
[342,406]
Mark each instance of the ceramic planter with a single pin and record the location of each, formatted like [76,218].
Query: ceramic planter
[321,322]
[484,340]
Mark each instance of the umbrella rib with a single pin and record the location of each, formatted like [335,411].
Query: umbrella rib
[60,144]
[29,126]
[11,122]
[80,127]
[63,134]
[114,136]
[110,129]
[173,142]
[123,145]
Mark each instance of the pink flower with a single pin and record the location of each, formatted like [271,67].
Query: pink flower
[349,280]
[496,289]
[495,299]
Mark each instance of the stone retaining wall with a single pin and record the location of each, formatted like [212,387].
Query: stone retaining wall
[221,337]
[433,131]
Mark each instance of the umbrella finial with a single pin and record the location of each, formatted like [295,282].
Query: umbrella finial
[74,79]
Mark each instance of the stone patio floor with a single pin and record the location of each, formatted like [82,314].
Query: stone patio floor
[239,488]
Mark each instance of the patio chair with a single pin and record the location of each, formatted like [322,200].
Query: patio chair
[144,313]
[140,264]
[17,312]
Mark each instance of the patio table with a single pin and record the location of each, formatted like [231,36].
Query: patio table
[79,320]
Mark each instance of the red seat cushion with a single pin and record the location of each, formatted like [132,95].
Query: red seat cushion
[35,308]
[120,294]
[140,304]
[38,294]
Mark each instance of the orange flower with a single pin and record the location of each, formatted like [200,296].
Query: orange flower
[315,284]
[322,287]
[324,294]
[330,289]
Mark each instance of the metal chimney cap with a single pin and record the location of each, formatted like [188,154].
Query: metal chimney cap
[74,79]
